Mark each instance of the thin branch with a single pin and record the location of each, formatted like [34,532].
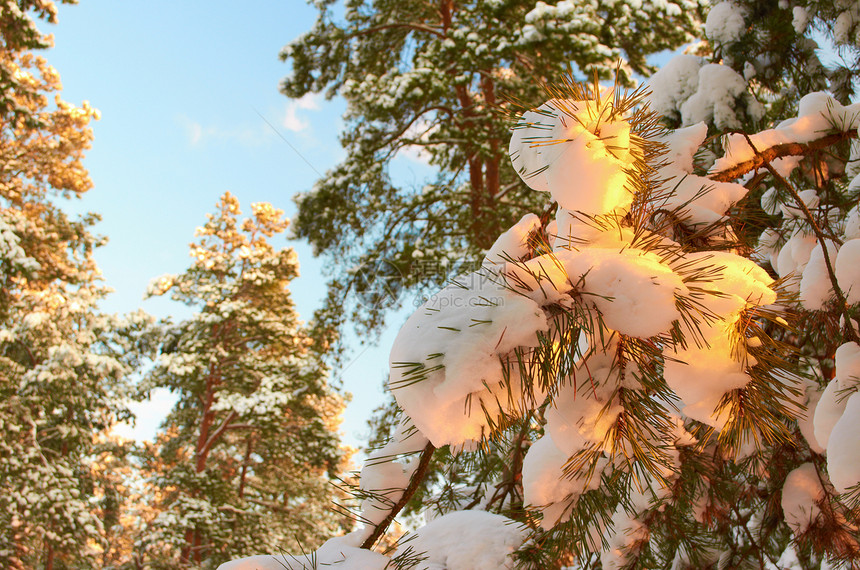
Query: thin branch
[241,426]
[822,239]
[269,505]
[505,189]
[414,482]
[405,25]
[764,157]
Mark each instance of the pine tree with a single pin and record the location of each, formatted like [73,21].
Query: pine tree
[430,78]
[659,370]
[63,364]
[246,456]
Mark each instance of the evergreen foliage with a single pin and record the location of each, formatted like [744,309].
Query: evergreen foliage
[63,364]
[430,78]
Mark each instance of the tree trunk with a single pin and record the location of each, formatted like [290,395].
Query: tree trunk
[49,557]
[201,454]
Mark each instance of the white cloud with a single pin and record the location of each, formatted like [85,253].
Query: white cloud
[292,121]
[419,130]
[244,135]
[258,134]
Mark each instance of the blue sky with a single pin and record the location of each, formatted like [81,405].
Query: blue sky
[181,87]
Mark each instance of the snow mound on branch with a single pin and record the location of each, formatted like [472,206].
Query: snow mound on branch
[725,23]
[625,531]
[818,115]
[702,91]
[513,244]
[828,411]
[815,286]
[674,83]
[793,257]
[806,422]
[848,365]
[586,407]
[569,149]
[384,478]
[702,375]
[716,97]
[800,19]
[465,540]
[698,200]
[848,270]
[843,452]
[546,486]
[447,370]
[852,223]
[633,290]
[582,415]
[339,553]
[800,493]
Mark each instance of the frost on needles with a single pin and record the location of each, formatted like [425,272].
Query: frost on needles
[633,331]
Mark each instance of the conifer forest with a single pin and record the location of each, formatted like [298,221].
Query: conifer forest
[635,250]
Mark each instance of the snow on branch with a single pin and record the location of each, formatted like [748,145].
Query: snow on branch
[821,122]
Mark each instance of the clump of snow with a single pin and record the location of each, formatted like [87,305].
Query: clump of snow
[384,478]
[816,289]
[528,144]
[674,83]
[446,362]
[725,23]
[848,365]
[546,485]
[701,375]
[805,422]
[800,19]
[793,257]
[465,540]
[698,200]
[827,413]
[513,244]
[843,453]
[770,202]
[852,224]
[338,553]
[809,198]
[586,407]
[719,89]
[569,148]
[845,29]
[800,496]
[848,270]
[703,92]
[625,531]
[633,290]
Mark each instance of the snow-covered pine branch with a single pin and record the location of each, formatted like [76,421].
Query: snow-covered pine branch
[638,351]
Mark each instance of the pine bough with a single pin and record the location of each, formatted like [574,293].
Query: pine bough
[636,336]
